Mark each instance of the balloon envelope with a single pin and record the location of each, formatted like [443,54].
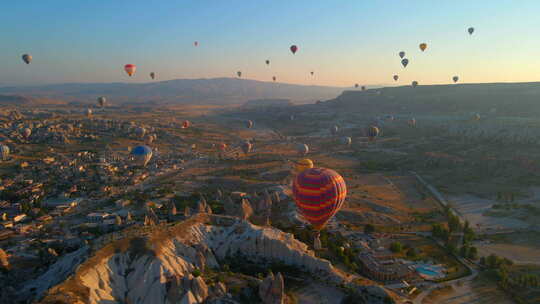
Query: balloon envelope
[346,140]
[267,62]
[294,48]
[246,147]
[101,101]
[153,75]
[401,54]
[4,152]
[372,133]
[396,77]
[249,124]
[274,78]
[470,30]
[303,164]
[455,78]
[405,62]
[414,84]
[239,74]
[186,124]
[319,193]
[302,149]
[142,154]
[27,58]
[423,46]
[130,69]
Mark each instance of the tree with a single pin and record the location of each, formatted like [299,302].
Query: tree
[369,228]
[396,247]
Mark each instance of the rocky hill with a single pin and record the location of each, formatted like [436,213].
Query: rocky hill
[161,267]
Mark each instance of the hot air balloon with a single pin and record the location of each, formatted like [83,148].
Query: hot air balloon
[414,84]
[423,46]
[246,147]
[401,54]
[239,73]
[346,140]
[372,133]
[476,116]
[470,30]
[363,88]
[455,79]
[396,77]
[319,193]
[152,75]
[89,112]
[26,132]
[130,69]
[274,78]
[334,130]
[4,152]
[196,43]
[27,58]
[291,117]
[267,62]
[249,124]
[356,85]
[102,101]
[412,122]
[140,132]
[302,165]
[294,48]
[222,146]
[302,149]
[312,73]
[405,62]
[141,155]
[186,124]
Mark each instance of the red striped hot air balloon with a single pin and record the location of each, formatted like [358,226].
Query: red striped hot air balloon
[319,193]
[186,124]
[130,69]
[294,48]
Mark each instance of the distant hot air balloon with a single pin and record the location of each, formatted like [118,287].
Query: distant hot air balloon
[249,124]
[142,155]
[4,152]
[470,30]
[372,133]
[334,130]
[405,62]
[302,149]
[346,140]
[356,85]
[89,112]
[294,48]
[186,124]
[196,43]
[291,117]
[140,132]
[412,122]
[363,88]
[274,78]
[319,193]
[152,75]
[455,79]
[423,46]
[222,146]
[267,62]
[414,84]
[102,101]
[239,73]
[476,116]
[27,58]
[401,54]
[246,147]
[130,69]
[396,77]
[26,132]
[302,165]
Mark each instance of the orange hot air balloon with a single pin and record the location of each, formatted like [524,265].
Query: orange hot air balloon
[319,193]
[130,69]
[294,48]
[186,124]
[423,46]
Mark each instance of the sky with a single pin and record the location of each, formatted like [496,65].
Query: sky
[343,41]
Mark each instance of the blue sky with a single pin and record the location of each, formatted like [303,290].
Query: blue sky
[343,41]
